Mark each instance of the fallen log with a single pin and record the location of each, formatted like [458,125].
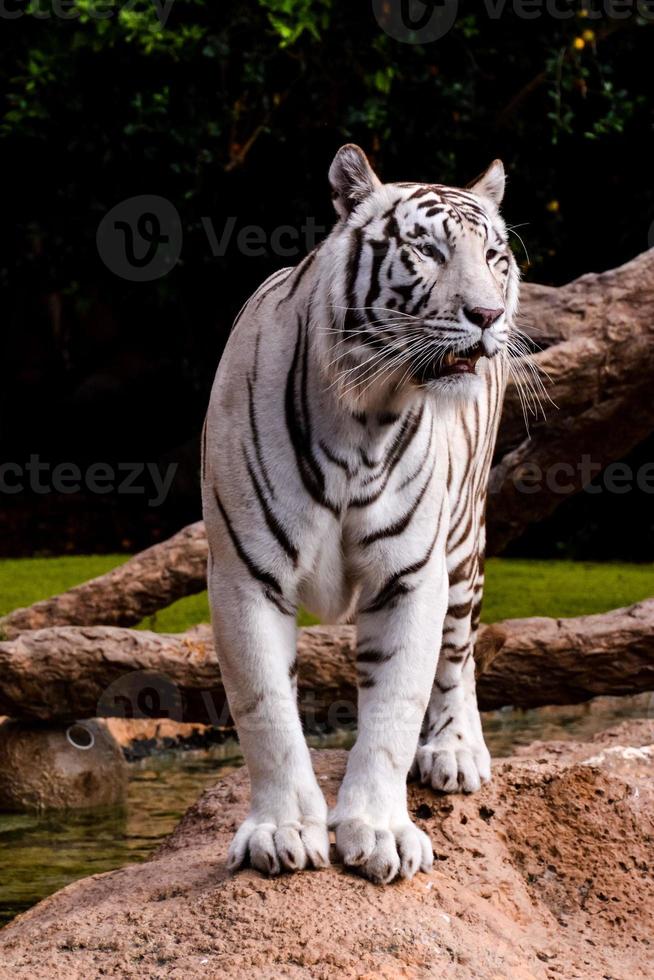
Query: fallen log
[599,365]
[614,308]
[71,672]
[568,661]
[149,581]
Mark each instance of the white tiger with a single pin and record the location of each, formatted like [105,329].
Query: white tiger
[345,456]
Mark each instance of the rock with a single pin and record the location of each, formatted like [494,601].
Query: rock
[142,737]
[544,874]
[60,766]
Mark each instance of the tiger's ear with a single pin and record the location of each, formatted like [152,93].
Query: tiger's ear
[352,179]
[491,184]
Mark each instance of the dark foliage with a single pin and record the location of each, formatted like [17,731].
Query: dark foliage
[233,110]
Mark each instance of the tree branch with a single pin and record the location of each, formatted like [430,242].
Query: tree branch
[600,364]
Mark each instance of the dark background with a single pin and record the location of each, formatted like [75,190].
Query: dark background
[235,109]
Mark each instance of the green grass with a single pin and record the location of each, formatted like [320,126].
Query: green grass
[26,580]
[524,587]
[195,609]
[182,614]
[514,587]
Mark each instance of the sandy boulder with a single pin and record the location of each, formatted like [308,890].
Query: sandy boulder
[547,873]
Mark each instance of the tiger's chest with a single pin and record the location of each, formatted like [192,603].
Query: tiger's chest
[391,495]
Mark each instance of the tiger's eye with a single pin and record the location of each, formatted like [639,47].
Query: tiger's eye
[491,253]
[430,250]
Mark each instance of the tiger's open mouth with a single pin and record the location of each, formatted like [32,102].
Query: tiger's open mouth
[461,362]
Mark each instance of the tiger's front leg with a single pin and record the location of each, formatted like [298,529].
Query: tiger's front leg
[396,659]
[286,828]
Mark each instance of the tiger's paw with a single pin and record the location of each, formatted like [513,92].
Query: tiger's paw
[381,854]
[274,847]
[456,761]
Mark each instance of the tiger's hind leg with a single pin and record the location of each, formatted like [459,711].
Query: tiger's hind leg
[452,756]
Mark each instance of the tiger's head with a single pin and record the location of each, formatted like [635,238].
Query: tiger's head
[422,282]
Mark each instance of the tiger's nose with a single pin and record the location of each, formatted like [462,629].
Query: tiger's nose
[481,317]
